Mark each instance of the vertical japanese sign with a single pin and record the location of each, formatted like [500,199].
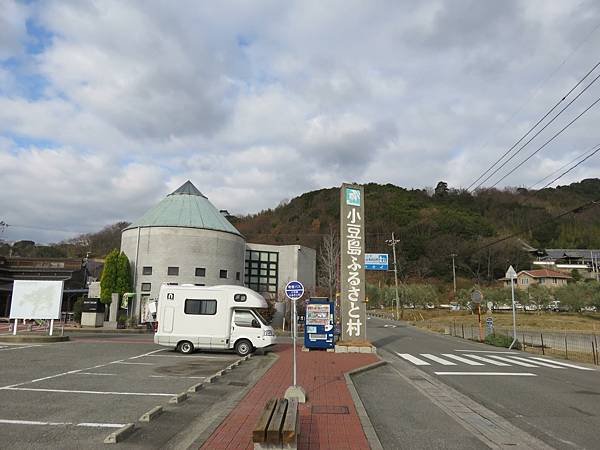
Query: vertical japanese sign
[352,264]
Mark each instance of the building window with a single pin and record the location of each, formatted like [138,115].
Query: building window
[222,273]
[147,270]
[200,271]
[237,276]
[173,271]
[172,284]
[200,307]
[199,284]
[261,271]
[146,287]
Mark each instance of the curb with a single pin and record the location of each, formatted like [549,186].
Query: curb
[120,434]
[28,339]
[196,387]
[179,398]
[152,414]
[367,426]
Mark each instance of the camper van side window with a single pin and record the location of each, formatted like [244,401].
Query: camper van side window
[239,298]
[200,307]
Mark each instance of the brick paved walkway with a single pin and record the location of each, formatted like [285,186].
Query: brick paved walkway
[321,374]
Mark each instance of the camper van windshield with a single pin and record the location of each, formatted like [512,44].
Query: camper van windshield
[261,318]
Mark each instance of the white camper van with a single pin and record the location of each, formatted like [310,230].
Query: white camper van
[216,317]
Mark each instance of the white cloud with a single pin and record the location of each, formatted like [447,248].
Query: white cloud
[256,102]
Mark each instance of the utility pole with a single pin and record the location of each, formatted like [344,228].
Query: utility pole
[392,242]
[454,271]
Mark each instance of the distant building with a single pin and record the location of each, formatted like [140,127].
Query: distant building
[544,277]
[184,239]
[585,261]
[72,271]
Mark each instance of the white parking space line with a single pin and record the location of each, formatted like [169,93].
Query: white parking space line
[96,373]
[82,424]
[69,391]
[175,376]
[190,356]
[487,360]
[508,374]
[413,359]
[537,362]
[149,353]
[67,373]
[6,349]
[437,359]
[461,359]
[561,363]
[135,363]
[485,351]
[512,361]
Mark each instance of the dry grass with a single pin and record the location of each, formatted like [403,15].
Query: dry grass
[436,319]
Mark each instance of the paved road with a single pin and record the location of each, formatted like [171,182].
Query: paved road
[553,400]
[73,394]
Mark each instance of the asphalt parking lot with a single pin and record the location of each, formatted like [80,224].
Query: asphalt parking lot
[73,394]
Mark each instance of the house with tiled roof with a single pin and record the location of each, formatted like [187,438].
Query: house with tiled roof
[544,277]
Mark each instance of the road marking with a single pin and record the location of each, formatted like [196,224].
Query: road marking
[3,349]
[438,359]
[193,356]
[464,360]
[491,361]
[135,363]
[538,363]
[69,391]
[149,353]
[512,361]
[485,351]
[509,374]
[416,361]
[562,363]
[97,373]
[82,424]
[175,376]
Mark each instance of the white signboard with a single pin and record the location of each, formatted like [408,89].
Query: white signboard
[36,299]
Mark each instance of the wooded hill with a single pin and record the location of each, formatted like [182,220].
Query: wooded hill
[432,224]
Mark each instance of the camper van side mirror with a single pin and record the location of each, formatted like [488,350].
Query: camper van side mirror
[255,323]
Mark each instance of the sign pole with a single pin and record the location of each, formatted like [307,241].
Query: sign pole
[479,318]
[293,291]
[512,274]
[51,326]
[15,327]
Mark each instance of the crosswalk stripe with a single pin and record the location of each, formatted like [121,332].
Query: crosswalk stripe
[437,359]
[413,359]
[487,360]
[512,361]
[561,363]
[461,359]
[537,362]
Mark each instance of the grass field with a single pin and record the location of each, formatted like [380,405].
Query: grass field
[559,321]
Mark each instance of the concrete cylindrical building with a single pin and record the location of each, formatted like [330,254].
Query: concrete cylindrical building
[184,239]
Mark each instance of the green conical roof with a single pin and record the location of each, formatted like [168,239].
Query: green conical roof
[185,207]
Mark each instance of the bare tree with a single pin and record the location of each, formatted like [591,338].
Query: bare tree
[329,262]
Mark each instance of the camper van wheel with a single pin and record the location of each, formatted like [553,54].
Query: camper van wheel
[185,347]
[243,347]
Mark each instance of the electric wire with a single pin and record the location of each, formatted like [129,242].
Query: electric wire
[537,123]
[567,171]
[581,155]
[558,133]
[538,132]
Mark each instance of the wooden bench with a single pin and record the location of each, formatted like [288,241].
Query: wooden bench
[278,426]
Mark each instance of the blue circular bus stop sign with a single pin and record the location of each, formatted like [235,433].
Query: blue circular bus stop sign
[294,290]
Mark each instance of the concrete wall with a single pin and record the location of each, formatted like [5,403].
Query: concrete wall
[186,248]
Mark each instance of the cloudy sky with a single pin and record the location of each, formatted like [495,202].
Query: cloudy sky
[107,106]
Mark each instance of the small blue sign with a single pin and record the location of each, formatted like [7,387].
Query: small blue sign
[294,290]
[352,197]
[376,261]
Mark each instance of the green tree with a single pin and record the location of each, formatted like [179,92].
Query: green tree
[108,280]
[540,296]
[123,274]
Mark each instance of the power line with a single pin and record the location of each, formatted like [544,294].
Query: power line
[542,129]
[548,141]
[567,171]
[562,167]
[536,124]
